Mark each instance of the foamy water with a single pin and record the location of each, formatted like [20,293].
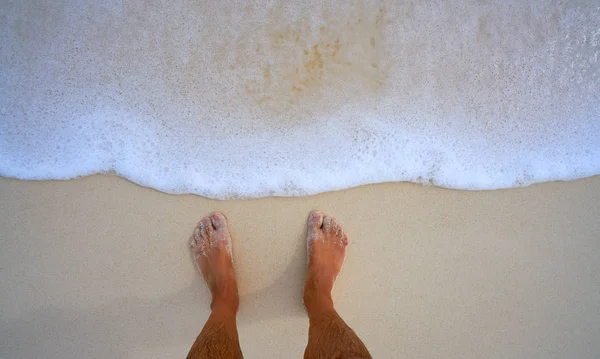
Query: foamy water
[247,99]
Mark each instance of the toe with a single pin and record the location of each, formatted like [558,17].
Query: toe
[195,237]
[315,220]
[328,223]
[338,232]
[206,227]
[199,240]
[336,228]
[207,223]
[340,237]
[219,220]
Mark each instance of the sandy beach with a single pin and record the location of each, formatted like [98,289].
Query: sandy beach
[99,268]
[246,99]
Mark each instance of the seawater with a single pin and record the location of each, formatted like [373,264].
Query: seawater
[233,99]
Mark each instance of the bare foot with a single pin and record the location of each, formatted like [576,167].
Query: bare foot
[326,242]
[211,247]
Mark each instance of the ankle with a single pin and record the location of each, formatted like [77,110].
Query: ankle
[223,309]
[225,305]
[317,301]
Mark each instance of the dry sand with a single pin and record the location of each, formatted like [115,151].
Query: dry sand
[99,268]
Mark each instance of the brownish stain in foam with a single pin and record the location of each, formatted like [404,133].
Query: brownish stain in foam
[293,67]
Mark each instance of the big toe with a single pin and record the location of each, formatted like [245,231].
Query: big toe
[315,220]
[219,220]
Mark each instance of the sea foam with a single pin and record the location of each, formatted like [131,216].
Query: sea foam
[231,99]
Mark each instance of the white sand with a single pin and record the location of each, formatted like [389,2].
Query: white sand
[99,268]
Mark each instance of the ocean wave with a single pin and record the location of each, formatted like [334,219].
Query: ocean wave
[251,99]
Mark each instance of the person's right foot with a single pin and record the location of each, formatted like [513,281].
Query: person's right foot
[211,247]
[326,244]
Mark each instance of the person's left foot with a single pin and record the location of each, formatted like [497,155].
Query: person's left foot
[211,246]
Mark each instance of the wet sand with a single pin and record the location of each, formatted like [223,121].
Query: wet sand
[99,267]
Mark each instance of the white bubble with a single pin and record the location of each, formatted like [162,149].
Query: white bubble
[300,97]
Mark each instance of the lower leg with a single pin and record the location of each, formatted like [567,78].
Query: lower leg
[328,335]
[211,246]
[218,339]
